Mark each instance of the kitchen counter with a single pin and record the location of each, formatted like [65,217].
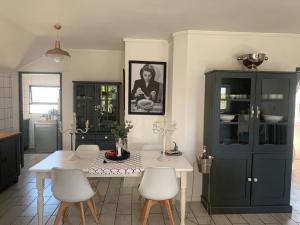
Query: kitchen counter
[6,134]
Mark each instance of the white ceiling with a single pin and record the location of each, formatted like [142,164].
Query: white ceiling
[102,24]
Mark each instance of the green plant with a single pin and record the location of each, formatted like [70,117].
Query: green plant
[121,130]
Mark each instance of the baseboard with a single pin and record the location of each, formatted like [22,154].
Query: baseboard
[244,209]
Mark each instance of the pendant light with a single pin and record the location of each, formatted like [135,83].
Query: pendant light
[57,53]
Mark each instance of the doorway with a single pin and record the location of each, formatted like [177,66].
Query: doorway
[40,111]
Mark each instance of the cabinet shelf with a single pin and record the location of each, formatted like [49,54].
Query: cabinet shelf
[235,100]
[270,123]
[229,123]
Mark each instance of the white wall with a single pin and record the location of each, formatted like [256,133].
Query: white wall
[85,65]
[143,50]
[196,52]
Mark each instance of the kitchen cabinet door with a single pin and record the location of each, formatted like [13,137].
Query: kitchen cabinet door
[271,179]
[229,179]
[235,105]
[275,107]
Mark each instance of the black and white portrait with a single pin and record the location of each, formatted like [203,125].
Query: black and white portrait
[147,87]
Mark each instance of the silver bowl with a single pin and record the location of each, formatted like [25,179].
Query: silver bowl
[252,61]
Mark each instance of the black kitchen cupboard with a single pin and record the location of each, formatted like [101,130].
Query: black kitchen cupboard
[9,160]
[248,128]
[99,103]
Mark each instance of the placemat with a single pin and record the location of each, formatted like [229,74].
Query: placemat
[129,166]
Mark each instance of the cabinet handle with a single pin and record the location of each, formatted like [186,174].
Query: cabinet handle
[249,179]
[255,180]
[252,111]
[82,137]
[257,112]
[105,137]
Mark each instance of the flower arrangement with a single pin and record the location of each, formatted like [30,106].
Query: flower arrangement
[121,130]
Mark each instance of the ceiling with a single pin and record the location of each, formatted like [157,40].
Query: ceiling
[102,24]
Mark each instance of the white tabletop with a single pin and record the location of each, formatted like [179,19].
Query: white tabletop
[67,159]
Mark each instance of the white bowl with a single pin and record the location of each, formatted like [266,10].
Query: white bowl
[227,117]
[272,118]
[145,104]
[243,117]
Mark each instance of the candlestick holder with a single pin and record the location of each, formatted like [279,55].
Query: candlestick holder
[73,129]
[164,128]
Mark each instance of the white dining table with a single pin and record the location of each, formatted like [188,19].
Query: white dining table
[69,160]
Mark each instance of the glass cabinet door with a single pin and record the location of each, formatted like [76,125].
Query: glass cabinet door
[84,107]
[273,112]
[236,111]
[107,110]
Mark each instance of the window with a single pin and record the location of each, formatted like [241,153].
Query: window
[297,112]
[43,99]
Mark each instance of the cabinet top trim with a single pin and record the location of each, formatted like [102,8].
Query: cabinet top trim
[247,71]
[96,82]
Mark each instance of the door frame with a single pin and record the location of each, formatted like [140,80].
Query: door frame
[20,79]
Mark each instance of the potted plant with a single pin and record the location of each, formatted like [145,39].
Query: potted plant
[120,132]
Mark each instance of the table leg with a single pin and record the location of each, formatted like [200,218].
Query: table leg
[183,184]
[40,200]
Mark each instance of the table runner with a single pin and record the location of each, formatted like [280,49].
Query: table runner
[129,166]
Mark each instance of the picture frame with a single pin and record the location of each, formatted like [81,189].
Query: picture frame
[147,87]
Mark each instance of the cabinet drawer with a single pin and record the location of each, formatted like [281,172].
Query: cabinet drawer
[86,137]
[105,137]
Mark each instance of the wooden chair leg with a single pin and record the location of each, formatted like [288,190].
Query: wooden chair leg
[60,212]
[169,212]
[82,217]
[146,211]
[93,210]
[172,203]
[65,215]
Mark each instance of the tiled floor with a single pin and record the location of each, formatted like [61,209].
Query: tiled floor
[120,205]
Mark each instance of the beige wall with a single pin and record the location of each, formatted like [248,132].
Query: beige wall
[92,65]
[145,50]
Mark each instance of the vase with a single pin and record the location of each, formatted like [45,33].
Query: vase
[121,143]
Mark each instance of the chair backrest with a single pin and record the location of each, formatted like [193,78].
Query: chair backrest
[70,185]
[87,151]
[159,183]
[88,148]
[149,147]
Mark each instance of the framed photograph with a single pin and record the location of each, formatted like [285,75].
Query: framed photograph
[147,88]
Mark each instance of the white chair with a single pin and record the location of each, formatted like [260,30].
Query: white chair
[90,151]
[70,186]
[87,149]
[149,147]
[158,185]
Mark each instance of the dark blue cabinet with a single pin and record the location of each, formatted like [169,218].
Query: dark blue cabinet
[248,128]
[99,103]
[9,160]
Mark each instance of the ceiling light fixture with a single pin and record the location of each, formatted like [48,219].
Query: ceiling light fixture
[57,53]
